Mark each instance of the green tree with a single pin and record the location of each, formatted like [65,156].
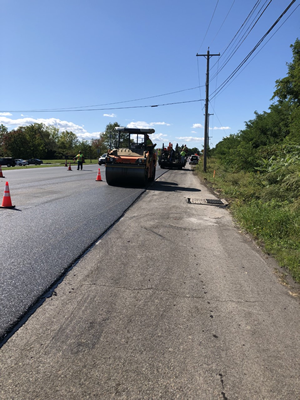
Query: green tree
[193,150]
[35,140]
[98,147]
[287,94]
[110,136]
[16,143]
[294,133]
[36,145]
[263,135]
[288,88]
[50,137]
[67,143]
[85,147]
[3,133]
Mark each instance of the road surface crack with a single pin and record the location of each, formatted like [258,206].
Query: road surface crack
[222,383]
[141,289]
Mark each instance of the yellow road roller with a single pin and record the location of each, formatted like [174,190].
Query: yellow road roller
[132,161]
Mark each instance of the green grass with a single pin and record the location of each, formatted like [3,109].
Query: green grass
[56,163]
[273,221]
[62,162]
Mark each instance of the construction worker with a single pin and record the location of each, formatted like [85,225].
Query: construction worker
[149,145]
[182,154]
[148,141]
[159,155]
[80,160]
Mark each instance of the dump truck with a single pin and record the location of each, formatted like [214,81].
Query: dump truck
[171,158]
[132,160]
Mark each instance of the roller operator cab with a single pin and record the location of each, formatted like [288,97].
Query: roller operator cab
[132,161]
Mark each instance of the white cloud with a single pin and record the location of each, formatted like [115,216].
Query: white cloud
[109,115]
[145,125]
[61,125]
[159,123]
[139,124]
[220,128]
[195,126]
[5,113]
[190,139]
[159,137]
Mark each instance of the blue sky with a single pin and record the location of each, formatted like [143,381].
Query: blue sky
[81,64]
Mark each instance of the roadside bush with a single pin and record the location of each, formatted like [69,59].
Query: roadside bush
[267,205]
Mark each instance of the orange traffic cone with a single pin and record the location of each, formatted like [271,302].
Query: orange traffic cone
[70,169]
[99,175]
[6,202]
[1,174]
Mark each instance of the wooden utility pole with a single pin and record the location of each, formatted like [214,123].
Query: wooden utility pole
[206,127]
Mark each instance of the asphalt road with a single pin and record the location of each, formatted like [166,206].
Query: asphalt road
[59,214]
[173,302]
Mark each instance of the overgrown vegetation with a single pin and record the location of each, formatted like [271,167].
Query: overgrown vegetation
[258,171]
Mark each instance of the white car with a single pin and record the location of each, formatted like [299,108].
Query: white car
[21,162]
[102,159]
[194,160]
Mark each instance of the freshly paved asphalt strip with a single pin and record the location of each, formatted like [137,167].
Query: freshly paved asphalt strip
[57,218]
[174,302]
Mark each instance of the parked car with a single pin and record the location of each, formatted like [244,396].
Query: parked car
[8,161]
[35,161]
[102,159]
[21,162]
[194,160]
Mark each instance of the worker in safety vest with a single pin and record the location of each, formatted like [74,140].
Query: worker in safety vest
[148,141]
[183,154]
[149,145]
[80,160]
[159,155]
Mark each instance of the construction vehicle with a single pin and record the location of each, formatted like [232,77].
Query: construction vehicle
[171,158]
[132,161]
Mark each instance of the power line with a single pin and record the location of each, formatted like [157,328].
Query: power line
[210,22]
[241,41]
[77,108]
[104,109]
[223,22]
[241,27]
[250,53]
[267,41]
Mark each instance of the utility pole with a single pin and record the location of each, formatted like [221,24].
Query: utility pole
[208,137]
[206,127]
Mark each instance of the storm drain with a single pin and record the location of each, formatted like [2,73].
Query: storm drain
[210,202]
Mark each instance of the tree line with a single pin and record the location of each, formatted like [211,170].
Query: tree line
[47,142]
[273,135]
[269,146]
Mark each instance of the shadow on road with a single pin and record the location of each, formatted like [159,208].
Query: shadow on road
[170,187]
